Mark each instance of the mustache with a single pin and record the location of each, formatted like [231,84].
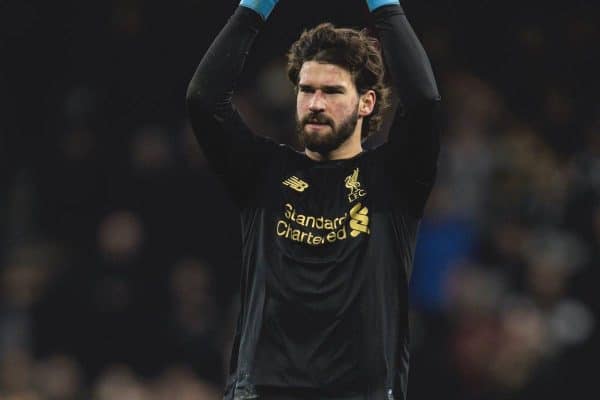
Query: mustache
[317,118]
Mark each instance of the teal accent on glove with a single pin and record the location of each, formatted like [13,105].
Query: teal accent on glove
[374,4]
[263,7]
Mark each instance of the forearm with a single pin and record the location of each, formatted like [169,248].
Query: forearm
[212,84]
[409,68]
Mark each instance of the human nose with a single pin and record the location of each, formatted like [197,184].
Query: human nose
[317,102]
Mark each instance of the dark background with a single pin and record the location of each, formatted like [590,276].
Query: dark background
[119,250]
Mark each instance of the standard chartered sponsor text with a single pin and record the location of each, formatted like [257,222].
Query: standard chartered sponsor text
[301,228]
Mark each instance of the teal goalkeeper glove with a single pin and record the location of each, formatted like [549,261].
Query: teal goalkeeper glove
[374,4]
[263,7]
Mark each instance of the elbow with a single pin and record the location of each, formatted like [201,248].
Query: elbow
[199,93]
[195,96]
[200,99]
[427,101]
[428,96]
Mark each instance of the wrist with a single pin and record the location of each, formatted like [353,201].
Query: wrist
[375,4]
[262,7]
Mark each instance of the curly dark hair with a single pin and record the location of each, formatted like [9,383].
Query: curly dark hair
[352,50]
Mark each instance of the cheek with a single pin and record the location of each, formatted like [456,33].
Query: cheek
[301,105]
[342,110]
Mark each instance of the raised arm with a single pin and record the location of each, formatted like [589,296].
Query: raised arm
[212,85]
[211,88]
[413,146]
[231,149]
[408,65]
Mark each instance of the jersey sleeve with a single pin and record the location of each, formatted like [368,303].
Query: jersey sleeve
[237,155]
[411,152]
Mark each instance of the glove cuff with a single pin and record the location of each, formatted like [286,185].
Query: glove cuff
[375,4]
[262,7]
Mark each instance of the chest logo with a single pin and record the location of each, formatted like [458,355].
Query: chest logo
[353,185]
[359,220]
[295,183]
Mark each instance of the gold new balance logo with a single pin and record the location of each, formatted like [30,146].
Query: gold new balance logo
[295,183]
[359,220]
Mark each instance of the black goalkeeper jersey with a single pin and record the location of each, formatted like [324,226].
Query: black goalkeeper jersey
[327,246]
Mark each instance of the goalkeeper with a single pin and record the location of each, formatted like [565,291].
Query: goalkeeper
[328,234]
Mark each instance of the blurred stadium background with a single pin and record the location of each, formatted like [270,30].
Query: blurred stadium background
[119,250]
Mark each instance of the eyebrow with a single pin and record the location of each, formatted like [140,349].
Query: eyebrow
[340,88]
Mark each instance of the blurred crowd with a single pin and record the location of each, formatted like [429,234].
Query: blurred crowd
[120,250]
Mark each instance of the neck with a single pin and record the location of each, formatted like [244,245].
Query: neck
[348,149]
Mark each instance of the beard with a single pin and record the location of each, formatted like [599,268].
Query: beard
[324,143]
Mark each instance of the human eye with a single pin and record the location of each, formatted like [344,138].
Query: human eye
[333,90]
[305,89]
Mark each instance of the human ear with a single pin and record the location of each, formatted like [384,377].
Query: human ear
[367,103]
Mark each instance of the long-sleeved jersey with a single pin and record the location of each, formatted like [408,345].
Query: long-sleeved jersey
[327,246]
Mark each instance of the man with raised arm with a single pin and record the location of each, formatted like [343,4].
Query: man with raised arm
[328,234]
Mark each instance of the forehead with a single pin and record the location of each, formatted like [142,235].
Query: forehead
[316,73]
